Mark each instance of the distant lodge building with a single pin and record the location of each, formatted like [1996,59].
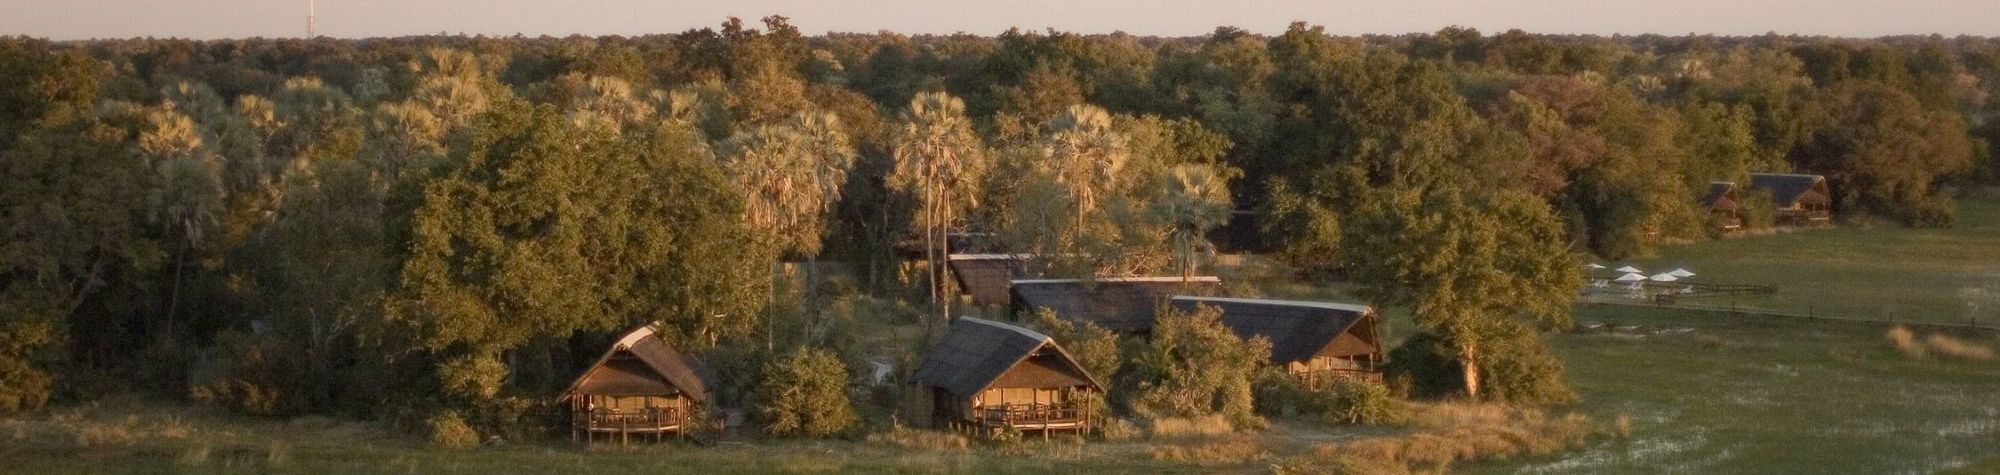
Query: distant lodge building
[987,376]
[640,386]
[1310,339]
[985,277]
[1724,205]
[1800,199]
[1121,304]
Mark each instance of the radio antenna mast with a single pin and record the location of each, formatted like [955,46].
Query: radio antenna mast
[312,19]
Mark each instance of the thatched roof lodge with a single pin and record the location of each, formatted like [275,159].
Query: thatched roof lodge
[989,376]
[1121,304]
[1310,339]
[986,277]
[1801,199]
[1724,204]
[640,386]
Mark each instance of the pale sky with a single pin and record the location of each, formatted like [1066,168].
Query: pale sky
[204,19]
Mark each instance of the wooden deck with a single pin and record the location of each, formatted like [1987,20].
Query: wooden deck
[1044,418]
[623,423]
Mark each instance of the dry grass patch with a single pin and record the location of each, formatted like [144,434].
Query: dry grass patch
[1938,344]
[1225,451]
[919,439]
[1189,427]
[1448,434]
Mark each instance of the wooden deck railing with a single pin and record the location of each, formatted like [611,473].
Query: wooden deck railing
[632,420]
[1030,414]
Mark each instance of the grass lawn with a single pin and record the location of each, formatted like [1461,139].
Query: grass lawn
[1710,393]
[1881,272]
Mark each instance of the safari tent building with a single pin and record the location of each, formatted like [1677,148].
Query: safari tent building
[640,386]
[1310,339]
[1801,199]
[987,376]
[1724,206]
[1121,304]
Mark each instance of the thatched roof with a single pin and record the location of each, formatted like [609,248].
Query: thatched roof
[1721,196]
[1122,304]
[1791,189]
[1298,330]
[985,276]
[978,354]
[639,364]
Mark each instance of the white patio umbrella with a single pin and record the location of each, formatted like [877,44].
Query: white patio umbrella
[1681,273]
[1663,277]
[1594,266]
[1630,277]
[1629,270]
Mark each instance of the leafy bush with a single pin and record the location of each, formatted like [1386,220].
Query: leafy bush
[805,393]
[1193,366]
[1515,367]
[448,430]
[1332,400]
[1095,347]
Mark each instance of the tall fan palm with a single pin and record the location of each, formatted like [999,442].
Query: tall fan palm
[791,175]
[1087,157]
[940,161]
[1192,200]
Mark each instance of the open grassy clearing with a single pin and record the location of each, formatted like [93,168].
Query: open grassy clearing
[1882,272]
[1711,393]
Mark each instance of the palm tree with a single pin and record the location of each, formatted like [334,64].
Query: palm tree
[939,160]
[1087,157]
[1192,199]
[791,175]
[188,200]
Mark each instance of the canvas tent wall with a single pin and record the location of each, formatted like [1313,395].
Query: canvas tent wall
[1125,304]
[639,386]
[989,375]
[1307,338]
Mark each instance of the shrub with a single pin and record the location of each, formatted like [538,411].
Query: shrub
[448,430]
[1358,401]
[1515,366]
[1193,366]
[1332,400]
[1095,347]
[805,393]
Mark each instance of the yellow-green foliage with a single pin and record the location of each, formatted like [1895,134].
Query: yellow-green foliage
[1333,400]
[805,393]
[448,430]
[1193,366]
[1094,347]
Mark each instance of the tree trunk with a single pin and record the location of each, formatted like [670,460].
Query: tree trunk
[174,296]
[943,268]
[1468,356]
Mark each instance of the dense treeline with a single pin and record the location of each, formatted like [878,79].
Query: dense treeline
[394,227]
